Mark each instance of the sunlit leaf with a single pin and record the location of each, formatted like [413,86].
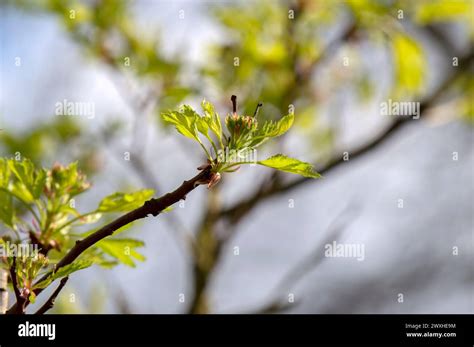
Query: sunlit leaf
[30,181]
[32,297]
[7,213]
[90,218]
[442,11]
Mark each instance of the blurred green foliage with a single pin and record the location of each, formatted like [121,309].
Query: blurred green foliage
[244,134]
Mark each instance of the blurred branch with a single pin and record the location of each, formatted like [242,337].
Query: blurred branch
[50,302]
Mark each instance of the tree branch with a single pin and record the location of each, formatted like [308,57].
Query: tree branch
[239,210]
[3,291]
[153,207]
[50,302]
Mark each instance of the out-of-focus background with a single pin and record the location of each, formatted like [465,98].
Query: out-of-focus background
[399,187]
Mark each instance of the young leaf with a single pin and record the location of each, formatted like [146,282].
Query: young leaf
[284,163]
[98,257]
[272,129]
[32,297]
[63,272]
[123,202]
[4,173]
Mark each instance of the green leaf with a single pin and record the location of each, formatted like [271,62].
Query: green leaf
[32,180]
[122,250]
[38,183]
[7,214]
[189,123]
[63,272]
[284,163]
[124,202]
[272,129]
[212,118]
